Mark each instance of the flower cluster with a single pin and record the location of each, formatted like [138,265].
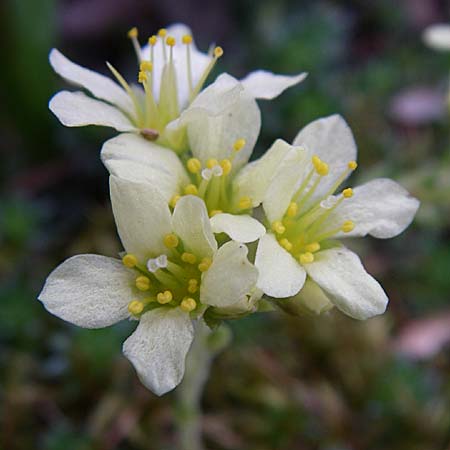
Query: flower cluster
[189,206]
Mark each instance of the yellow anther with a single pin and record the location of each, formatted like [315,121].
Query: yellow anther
[352,165]
[194,165]
[192,286]
[191,189]
[347,226]
[226,166]
[212,163]
[135,307]
[171,240]
[189,258]
[245,202]
[186,39]
[313,247]
[205,264]
[239,145]
[129,260]
[142,77]
[188,304]
[133,33]
[306,258]
[218,52]
[316,161]
[278,227]
[322,169]
[214,212]
[347,193]
[170,41]
[286,244]
[152,40]
[292,209]
[173,201]
[162,32]
[143,283]
[146,66]
[164,297]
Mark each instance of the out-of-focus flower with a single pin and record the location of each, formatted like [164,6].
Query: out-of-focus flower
[437,36]
[172,73]
[305,216]
[171,273]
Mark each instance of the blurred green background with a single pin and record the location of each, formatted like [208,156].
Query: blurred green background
[303,383]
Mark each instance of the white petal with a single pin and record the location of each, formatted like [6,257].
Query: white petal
[131,157]
[254,178]
[76,109]
[158,348]
[331,139]
[438,36]
[199,62]
[230,278]
[280,275]
[98,85]
[241,228]
[381,208]
[267,85]
[339,272]
[90,291]
[142,217]
[190,222]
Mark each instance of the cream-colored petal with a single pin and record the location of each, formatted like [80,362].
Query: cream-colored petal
[142,217]
[438,36]
[98,85]
[90,291]
[280,275]
[231,277]
[190,222]
[158,348]
[339,272]
[267,85]
[241,228]
[76,109]
[133,158]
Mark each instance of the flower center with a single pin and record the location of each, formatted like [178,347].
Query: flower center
[301,229]
[154,110]
[213,183]
[171,279]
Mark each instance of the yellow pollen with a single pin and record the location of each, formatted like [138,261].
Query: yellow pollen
[218,52]
[162,32]
[239,145]
[191,189]
[142,77]
[286,244]
[133,33]
[146,66]
[226,166]
[189,258]
[152,40]
[347,226]
[188,304]
[171,240]
[170,41]
[306,258]
[205,264]
[194,165]
[322,169]
[292,209]
[211,163]
[214,212]
[129,260]
[173,201]
[135,307]
[245,202]
[192,286]
[278,227]
[143,283]
[164,297]
[187,39]
[352,165]
[313,247]
[347,193]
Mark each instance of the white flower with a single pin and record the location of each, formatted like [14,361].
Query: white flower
[305,215]
[172,72]
[437,36]
[171,273]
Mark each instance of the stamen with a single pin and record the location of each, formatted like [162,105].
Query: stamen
[313,247]
[133,35]
[205,264]
[239,145]
[347,193]
[191,189]
[211,163]
[352,165]
[129,260]
[214,212]
[174,200]
[143,283]
[226,166]
[171,240]
[278,227]
[218,52]
[189,258]
[135,307]
[245,202]
[292,209]
[162,33]
[347,226]
[286,244]
[170,41]
[150,134]
[194,165]
[306,258]
[164,297]
[142,77]
[152,40]
[192,286]
[146,66]
[188,304]
[187,40]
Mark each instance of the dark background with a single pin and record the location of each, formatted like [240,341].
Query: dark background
[325,383]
